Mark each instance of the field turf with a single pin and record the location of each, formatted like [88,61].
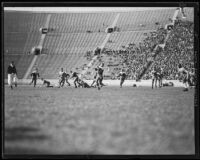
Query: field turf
[110,121]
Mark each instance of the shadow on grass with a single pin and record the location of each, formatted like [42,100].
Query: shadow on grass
[19,135]
[11,151]
[23,133]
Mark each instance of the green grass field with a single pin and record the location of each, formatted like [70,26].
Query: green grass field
[110,121]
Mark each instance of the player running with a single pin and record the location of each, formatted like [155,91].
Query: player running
[185,76]
[34,75]
[122,76]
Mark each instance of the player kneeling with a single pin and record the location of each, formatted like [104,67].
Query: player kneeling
[46,83]
[83,84]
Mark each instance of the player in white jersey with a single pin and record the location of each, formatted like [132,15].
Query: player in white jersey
[60,75]
[94,78]
[185,76]
[160,75]
[122,76]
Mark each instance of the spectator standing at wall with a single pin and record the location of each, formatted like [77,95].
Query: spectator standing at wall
[12,75]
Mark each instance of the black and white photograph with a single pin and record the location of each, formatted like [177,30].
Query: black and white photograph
[95,80]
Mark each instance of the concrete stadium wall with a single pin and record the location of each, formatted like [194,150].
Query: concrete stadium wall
[106,82]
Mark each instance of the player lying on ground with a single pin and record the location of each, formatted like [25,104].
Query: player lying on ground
[83,84]
[46,83]
[34,75]
[184,75]
[122,76]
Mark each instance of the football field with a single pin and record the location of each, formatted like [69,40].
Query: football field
[128,120]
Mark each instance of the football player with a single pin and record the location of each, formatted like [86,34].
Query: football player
[46,83]
[122,76]
[76,78]
[185,76]
[34,75]
[154,75]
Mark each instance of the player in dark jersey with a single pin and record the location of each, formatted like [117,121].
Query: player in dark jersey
[154,75]
[160,75]
[46,83]
[64,78]
[76,78]
[102,70]
[34,76]
[99,77]
[12,75]
[122,76]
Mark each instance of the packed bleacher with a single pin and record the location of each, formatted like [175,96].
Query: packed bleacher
[179,49]
[74,36]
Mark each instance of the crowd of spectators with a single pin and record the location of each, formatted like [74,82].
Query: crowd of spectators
[134,57]
[178,49]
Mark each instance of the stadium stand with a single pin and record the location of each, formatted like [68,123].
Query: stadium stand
[80,23]
[72,38]
[144,20]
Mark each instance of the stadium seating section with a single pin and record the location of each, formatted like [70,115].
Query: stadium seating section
[72,35]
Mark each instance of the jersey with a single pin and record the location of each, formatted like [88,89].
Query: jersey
[182,71]
[60,73]
[184,74]
[74,74]
[65,75]
[122,75]
[34,75]
[11,69]
[154,74]
[100,72]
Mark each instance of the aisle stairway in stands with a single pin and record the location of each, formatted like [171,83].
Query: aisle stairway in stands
[39,46]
